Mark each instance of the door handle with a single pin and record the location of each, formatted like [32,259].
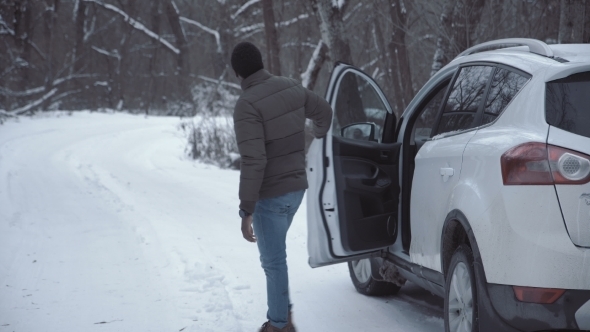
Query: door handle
[446,172]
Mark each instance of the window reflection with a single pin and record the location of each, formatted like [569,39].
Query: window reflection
[465,98]
[566,103]
[504,86]
[468,89]
[359,131]
[357,101]
[427,118]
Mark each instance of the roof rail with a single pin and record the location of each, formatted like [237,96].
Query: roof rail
[535,46]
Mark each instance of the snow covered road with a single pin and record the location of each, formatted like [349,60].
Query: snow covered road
[106,226]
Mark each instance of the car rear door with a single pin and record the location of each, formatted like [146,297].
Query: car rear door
[353,193]
[439,161]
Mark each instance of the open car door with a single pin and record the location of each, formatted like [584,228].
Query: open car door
[352,200]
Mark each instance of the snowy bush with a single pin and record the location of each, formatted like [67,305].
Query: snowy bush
[212,140]
[215,99]
[210,134]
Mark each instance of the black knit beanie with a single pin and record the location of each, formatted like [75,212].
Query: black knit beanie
[246,59]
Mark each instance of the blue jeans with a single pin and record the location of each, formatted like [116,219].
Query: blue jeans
[271,221]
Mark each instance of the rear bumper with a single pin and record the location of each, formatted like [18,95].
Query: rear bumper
[566,313]
[499,310]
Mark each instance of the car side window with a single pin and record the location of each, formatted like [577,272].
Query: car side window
[426,120]
[357,101]
[504,86]
[464,99]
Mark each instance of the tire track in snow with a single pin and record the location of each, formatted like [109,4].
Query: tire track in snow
[207,299]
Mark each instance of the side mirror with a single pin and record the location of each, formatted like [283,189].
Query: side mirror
[364,131]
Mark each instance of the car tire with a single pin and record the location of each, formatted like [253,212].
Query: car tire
[460,306]
[361,274]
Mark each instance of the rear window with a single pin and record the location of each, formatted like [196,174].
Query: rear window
[567,103]
[505,85]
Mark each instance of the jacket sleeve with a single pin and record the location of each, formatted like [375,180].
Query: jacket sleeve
[249,130]
[319,111]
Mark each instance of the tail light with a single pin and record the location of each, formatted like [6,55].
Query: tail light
[537,163]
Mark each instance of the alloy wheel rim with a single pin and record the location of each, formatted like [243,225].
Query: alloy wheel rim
[460,300]
[362,269]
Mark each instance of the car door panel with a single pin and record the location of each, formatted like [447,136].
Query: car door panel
[368,188]
[353,183]
[439,161]
[437,171]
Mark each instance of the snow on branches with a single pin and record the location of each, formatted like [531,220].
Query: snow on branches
[215,33]
[33,104]
[137,25]
[243,8]
[4,28]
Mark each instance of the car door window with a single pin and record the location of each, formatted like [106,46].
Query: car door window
[427,118]
[464,99]
[504,86]
[357,101]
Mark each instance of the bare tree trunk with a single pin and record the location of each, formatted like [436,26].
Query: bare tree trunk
[122,89]
[272,40]
[586,38]
[78,54]
[349,105]
[457,30]
[221,56]
[571,21]
[319,56]
[547,22]
[183,63]
[153,65]
[51,7]
[23,27]
[332,30]
[442,54]
[496,18]
[382,49]
[181,43]
[23,33]
[466,18]
[398,55]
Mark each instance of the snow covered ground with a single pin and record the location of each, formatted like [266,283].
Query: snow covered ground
[106,226]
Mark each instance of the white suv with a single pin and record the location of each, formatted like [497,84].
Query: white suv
[479,193]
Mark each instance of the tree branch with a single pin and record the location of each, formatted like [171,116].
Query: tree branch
[137,25]
[243,8]
[35,103]
[5,27]
[7,92]
[218,81]
[215,33]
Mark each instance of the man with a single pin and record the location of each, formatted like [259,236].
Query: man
[269,121]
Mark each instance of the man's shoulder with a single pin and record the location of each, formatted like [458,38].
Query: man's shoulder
[284,80]
[269,87]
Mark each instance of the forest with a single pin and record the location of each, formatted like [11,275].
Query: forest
[171,57]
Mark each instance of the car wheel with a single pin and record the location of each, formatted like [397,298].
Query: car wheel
[461,293]
[362,279]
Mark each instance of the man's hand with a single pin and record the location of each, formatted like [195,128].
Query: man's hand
[247,230]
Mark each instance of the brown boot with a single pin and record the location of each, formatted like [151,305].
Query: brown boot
[267,327]
[290,322]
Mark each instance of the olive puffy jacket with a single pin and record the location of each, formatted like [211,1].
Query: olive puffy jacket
[269,121]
